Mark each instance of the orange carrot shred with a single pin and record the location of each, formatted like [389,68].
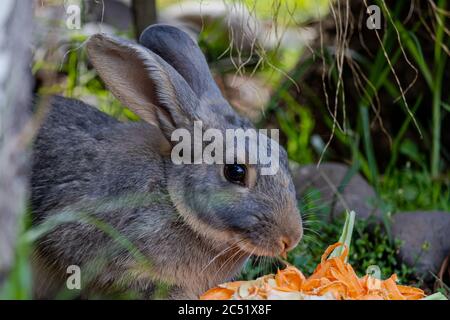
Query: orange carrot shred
[332,276]
[217,294]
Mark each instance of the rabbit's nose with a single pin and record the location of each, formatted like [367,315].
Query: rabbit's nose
[287,244]
[284,247]
[292,231]
[291,238]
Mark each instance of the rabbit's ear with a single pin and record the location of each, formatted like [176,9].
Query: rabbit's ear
[143,82]
[178,49]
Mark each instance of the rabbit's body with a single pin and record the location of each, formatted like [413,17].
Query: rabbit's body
[86,169]
[110,160]
[128,215]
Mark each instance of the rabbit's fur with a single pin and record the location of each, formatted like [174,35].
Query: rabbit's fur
[193,227]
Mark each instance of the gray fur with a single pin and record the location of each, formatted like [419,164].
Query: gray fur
[180,217]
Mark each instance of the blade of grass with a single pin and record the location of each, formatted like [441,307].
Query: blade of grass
[440,60]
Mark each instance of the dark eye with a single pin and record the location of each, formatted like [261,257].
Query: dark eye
[235,173]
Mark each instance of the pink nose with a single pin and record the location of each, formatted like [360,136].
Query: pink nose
[288,242]
[291,236]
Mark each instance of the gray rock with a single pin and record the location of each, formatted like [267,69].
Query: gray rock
[426,240]
[356,195]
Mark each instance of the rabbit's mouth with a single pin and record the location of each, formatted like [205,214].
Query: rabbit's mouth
[267,246]
[269,249]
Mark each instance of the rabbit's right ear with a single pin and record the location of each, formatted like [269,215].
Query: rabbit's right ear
[143,82]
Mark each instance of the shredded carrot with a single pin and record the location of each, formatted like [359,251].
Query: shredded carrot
[291,279]
[218,293]
[333,278]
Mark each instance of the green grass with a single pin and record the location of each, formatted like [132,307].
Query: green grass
[410,190]
[19,285]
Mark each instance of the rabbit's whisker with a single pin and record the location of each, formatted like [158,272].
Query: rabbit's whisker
[230,259]
[224,251]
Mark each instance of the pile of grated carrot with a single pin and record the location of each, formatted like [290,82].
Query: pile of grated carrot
[333,278]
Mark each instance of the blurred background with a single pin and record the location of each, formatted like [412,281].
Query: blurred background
[359,91]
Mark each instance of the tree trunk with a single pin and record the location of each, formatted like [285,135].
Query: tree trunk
[144,12]
[15,97]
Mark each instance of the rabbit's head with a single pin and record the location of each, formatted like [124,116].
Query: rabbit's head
[167,82]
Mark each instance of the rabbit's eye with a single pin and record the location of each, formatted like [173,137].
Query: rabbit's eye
[235,173]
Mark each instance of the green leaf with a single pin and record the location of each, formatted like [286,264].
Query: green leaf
[346,236]
[435,296]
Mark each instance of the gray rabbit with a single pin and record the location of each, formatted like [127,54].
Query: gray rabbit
[195,224]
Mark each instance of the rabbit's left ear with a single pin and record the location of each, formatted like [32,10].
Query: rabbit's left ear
[144,82]
[178,49]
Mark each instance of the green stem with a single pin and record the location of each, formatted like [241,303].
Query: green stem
[439,66]
[436,143]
